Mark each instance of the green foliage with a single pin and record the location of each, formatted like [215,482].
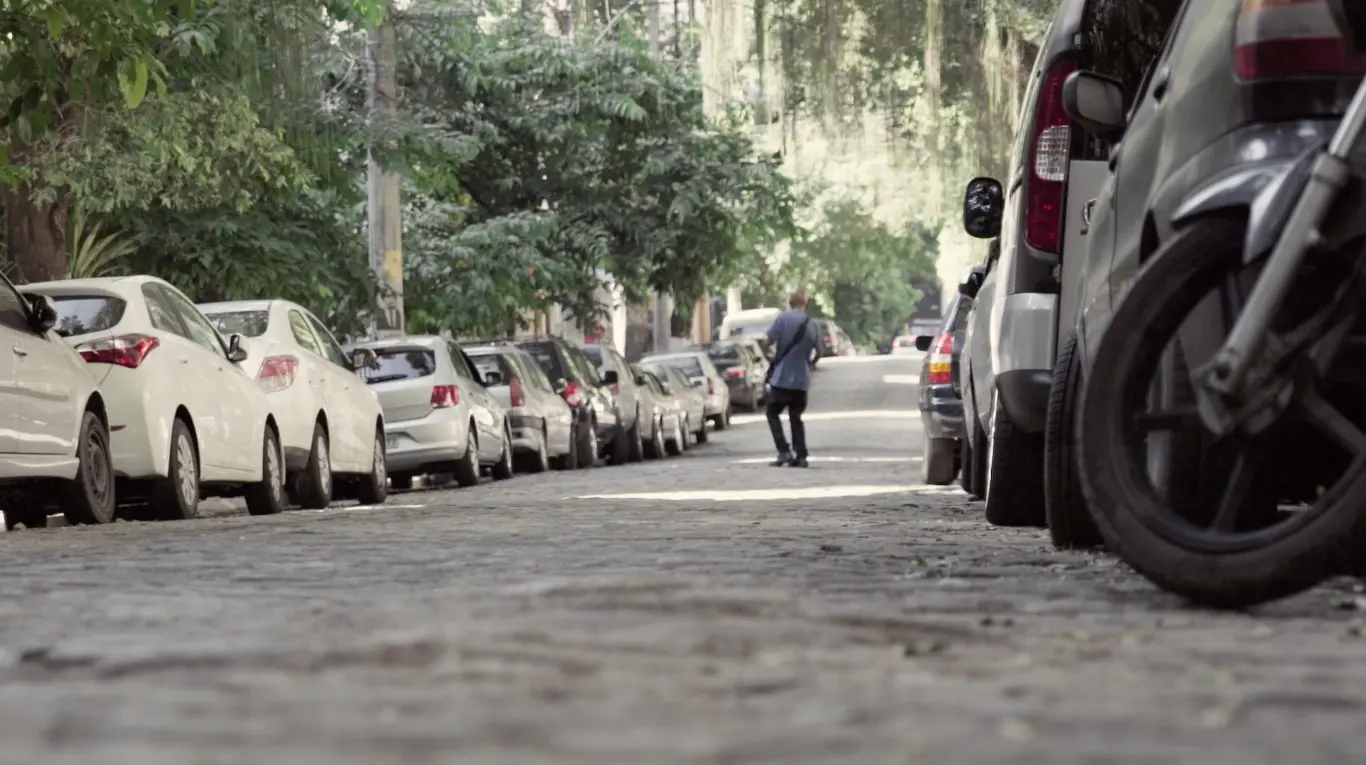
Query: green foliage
[92,255]
[858,270]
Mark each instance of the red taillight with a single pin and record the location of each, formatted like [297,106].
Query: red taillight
[277,373]
[515,392]
[1292,38]
[571,394]
[445,396]
[1049,154]
[124,350]
[735,372]
[941,360]
[711,386]
[615,388]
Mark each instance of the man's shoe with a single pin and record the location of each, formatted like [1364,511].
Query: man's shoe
[783,460]
[798,462]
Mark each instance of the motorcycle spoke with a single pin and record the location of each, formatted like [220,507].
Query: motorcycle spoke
[1331,422]
[1176,418]
[1241,481]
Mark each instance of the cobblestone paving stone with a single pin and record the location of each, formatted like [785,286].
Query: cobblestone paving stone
[516,622]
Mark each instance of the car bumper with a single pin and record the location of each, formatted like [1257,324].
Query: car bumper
[716,404]
[440,437]
[139,425]
[1023,360]
[941,412]
[526,431]
[296,411]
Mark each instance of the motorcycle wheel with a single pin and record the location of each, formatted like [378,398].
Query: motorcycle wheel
[1232,544]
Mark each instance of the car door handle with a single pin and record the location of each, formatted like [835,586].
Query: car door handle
[19,350]
[1161,83]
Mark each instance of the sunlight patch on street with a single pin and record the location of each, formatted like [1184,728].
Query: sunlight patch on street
[901,379]
[900,460]
[860,414]
[756,495]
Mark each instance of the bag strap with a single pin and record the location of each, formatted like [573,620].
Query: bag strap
[801,330]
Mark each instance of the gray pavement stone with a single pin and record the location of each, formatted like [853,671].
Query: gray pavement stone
[518,622]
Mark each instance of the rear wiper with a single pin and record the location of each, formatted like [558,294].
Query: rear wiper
[385,378]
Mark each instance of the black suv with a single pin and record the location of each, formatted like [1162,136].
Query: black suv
[575,377]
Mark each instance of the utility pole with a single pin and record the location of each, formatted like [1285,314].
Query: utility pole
[663,303]
[385,213]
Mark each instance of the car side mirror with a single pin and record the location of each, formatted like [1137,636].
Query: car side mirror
[1350,18]
[640,380]
[1096,103]
[560,384]
[971,286]
[236,353]
[42,313]
[609,377]
[923,342]
[363,358]
[983,206]
[493,378]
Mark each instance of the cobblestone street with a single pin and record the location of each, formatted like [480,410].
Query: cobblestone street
[702,609]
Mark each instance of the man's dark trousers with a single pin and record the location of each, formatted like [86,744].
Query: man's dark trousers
[794,401]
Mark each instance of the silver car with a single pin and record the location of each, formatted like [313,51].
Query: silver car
[542,423]
[704,375]
[692,399]
[668,435]
[438,417]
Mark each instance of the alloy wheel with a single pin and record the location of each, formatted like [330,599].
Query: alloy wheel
[187,478]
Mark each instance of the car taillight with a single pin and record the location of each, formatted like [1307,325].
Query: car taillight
[1049,154]
[615,388]
[445,396]
[941,360]
[735,372]
[1291,38]
[571,394]
[124,350]
[277,373]
[826,338]
[515,392]
[711,386]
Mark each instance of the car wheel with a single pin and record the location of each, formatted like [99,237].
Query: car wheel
[1069,519]
[176,497]
[315,483]
[569,460]
[722,420]
[656,449]
[1014,486]
[701,433]
[621,443]
[267,497]
[502,470]
[539,462]
[636,443]
[467,469]
[373,487]
[588,445]
[90,497]
[936,467]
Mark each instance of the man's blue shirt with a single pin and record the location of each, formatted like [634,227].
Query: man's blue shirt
[794,370]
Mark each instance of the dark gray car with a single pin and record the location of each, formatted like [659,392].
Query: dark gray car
[941,405]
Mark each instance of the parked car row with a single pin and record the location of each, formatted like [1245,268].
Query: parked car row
[125,399]
[1117,269]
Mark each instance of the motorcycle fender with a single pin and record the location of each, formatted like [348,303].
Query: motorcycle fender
[1268,190]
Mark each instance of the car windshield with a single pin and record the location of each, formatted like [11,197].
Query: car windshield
[547,358]
[399,364]
[244,323]
[83,314]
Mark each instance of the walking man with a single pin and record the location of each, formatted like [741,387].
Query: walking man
[795,341]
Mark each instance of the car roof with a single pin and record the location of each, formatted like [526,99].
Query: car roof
[243,305]
[117,284]
[425,341]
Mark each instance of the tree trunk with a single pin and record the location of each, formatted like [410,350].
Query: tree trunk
[35,235]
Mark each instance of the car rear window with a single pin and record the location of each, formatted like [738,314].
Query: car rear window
[547,359]
[492,362]
[244,323]
[751,328]
[689,365]
[399,364]
[82,314]
[725,356]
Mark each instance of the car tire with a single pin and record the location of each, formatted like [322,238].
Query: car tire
[620,452]
[635,443]
[90,499]
[267,496]
[314,488]
[570,459]
[373,487]
[588,445]
[937,466]
[965,475]
[701,431]
[722,420]
[656,449]
[176,497]
[502,469]
[1070,524]
[467,469]
[1014,483]
[539,462]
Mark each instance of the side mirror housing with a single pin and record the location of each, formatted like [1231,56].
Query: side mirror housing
[923,342]
[609,377]
[493,378]
[1096,103]
[362,358]
[236,353]
[983,206]
[42,313]
[972,285]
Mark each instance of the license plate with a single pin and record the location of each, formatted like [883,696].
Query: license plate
[390,442]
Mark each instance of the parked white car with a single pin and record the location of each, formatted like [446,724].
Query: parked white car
[56,434]
[185,421]
[331,424]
